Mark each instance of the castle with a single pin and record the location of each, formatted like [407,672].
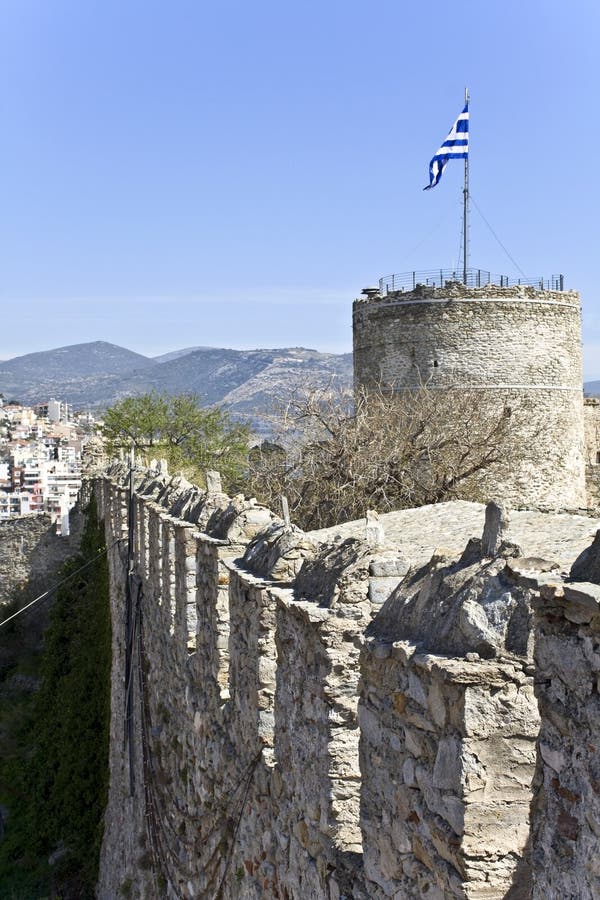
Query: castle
[403,708]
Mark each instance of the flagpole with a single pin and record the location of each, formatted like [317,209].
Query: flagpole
[466,207]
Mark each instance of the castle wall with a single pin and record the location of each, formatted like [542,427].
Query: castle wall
[515,346]
[448,815]
[447,700]
[349,744]
[252,667]
[125,837]
[567,817]
[212,621]
[591,421]
[190,796]
[260,766]
[31,551]
[317,724]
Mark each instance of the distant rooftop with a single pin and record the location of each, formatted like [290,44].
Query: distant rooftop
[408,281]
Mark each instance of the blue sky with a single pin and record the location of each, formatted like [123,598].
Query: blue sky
[233,173]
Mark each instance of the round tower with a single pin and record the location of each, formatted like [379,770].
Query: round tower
[509,347]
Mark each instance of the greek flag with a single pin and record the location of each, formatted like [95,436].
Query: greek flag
[456,146]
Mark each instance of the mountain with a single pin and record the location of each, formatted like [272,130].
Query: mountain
[246,382]
[214,373]
[175,354]
[67,372]
[592,388]
[95,358]
[257,397]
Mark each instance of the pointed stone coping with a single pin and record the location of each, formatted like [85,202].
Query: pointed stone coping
[471,606]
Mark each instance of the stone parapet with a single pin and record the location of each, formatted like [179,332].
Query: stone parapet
[447,815]
[296,717]
[447,701]
[456,290]
[566,833]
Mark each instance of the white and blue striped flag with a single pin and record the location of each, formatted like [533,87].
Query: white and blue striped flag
[456,146]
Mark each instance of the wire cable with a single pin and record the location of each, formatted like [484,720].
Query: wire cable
[60,583]
[442,221]
[512,259]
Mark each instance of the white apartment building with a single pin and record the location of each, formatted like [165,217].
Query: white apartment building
[40,470]
[19,503]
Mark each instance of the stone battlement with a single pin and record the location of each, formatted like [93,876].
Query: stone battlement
[348,713]
[456,290]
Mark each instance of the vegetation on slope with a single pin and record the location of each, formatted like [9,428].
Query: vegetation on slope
[54,766]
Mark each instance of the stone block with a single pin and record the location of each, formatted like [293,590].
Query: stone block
[494,531]
[416,690]
[448,768]
[381,587]
[587,565]
[388,567]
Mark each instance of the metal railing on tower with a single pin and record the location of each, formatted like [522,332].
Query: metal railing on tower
[407,281]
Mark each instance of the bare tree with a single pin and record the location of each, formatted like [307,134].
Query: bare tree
[347,453]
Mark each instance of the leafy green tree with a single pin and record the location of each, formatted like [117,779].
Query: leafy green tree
[137,422]
[190,438]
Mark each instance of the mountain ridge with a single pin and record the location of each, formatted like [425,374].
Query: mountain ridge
[93,357]
[245,382]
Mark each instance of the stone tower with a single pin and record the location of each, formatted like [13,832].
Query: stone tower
[515,345]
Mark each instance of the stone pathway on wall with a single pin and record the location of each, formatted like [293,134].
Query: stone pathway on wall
[419,532]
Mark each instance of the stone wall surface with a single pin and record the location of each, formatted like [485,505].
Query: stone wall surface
[309,716]
[448,702]
[514,346]
[591,421]
[566,832]
[31,551]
